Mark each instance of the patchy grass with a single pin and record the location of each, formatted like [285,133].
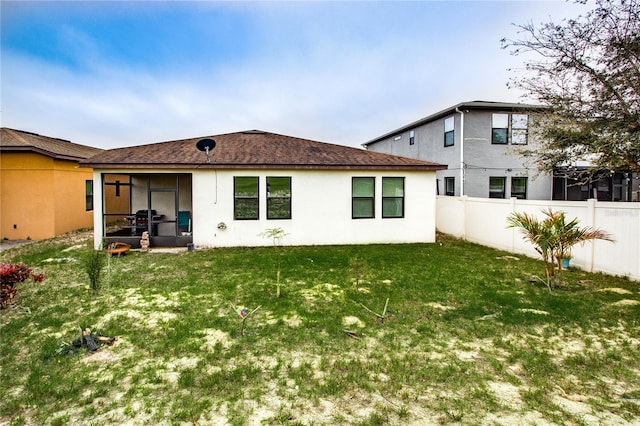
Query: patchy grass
[469,337]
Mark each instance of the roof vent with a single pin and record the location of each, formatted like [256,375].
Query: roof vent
[253,132]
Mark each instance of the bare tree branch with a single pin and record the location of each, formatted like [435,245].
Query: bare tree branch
[587,71]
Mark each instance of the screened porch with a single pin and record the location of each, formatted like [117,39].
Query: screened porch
[158,203]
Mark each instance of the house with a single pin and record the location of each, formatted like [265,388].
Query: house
[43,192]
[479,141]
[226,190]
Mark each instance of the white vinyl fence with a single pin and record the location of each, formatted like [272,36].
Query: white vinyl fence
[484,221]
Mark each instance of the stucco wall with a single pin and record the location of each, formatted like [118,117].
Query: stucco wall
[321,209]
[482,159]
[428,145]
[41,196]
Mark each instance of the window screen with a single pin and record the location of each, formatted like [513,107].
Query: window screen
[392,197]
[278,198]
[519,129]
[245,194]
[449,186]
[362,197]
[88,191]
[499,128]
[519,187]
[497,186]
[449,131]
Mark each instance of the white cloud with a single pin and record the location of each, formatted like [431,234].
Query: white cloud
[306,77]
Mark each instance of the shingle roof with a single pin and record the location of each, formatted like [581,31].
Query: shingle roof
[464,106]
[250,150]
[18,140]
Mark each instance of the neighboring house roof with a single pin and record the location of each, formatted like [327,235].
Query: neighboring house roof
[253,149]
[463,106]
[17,140]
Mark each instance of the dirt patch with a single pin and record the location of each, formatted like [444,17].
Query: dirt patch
[147,320]
[467,356]
[213,337]
[293,321]
[351,321]
[626,302]
[74,247]
[438,306]
[534,311]
[325,291]
[507,393]
[617,290]
[102,356]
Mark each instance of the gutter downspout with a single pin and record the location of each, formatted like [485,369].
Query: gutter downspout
[461,150]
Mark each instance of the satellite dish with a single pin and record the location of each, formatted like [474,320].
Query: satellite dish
[206,145]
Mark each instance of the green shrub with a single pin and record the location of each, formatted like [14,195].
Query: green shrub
[93,265]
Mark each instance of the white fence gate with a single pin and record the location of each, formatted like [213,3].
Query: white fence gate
[484,221]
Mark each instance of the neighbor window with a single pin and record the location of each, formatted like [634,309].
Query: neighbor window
[278,198]
[507,128]
[519,129]
[88,193]
[450,186]
[245,198]
[412,137]
[392,197]
[519,187]
[497,186]
[362,197]
[448,131]
[499,129]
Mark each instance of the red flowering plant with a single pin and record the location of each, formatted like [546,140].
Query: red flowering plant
[11,274]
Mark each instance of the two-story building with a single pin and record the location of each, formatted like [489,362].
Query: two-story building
[480,141]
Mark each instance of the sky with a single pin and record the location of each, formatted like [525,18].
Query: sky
[120,73]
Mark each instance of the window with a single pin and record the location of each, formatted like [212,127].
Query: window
[500,129]
[412,137]
[88,193]
[497,186]
[450,186]
[362,197]
[519,187]
[502,133]
[519,126]
[245,198]
[278,198]
[448,131]
[392,197]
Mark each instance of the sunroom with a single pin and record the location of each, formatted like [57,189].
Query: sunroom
[158,203]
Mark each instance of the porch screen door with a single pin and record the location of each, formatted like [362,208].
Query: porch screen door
[165,203]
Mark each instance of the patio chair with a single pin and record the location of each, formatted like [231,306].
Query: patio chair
[184,221]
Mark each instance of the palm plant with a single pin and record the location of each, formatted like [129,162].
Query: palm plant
[539,234]
[553,237]
[568,234]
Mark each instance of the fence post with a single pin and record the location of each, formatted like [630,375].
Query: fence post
[513,230]
[591,221]
[463,199]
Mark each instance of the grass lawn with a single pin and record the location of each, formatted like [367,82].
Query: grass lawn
[470,337]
